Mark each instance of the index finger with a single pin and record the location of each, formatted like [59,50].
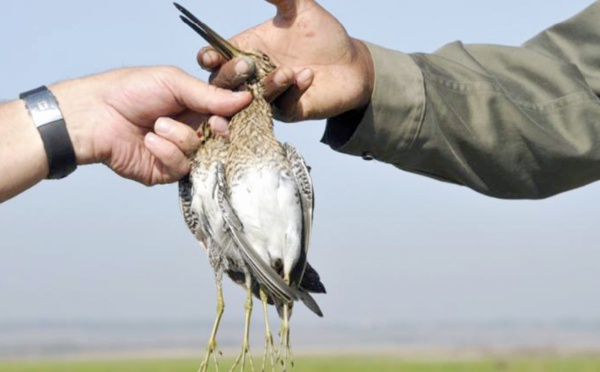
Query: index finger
[202,97]
[233,73]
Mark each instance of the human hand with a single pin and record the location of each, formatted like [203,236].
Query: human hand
[140,121]
[322,71]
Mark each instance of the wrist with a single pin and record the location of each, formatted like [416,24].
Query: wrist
[75,103]
[367,73]
[46,115]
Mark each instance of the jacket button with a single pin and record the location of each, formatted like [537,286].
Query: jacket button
[367,155]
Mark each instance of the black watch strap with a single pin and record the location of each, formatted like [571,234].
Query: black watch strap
[43,109]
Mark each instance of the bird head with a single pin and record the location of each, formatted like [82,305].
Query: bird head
[262,63]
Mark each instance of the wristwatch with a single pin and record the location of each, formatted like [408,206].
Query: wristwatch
[47,117]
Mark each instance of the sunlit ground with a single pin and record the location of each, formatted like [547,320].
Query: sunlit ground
[325,363]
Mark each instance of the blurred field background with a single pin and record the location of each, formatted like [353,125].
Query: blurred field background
[179,346]
[327,364]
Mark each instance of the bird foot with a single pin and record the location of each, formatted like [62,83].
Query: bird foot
[211,350]
[241,359]
[270,352]
[287,358]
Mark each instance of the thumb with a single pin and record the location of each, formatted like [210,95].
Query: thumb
[287,9]
[201,97]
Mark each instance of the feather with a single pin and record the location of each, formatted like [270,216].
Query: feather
[264,274]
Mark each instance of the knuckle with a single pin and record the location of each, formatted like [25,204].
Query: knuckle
[216,78]
[172,155]
[167,73]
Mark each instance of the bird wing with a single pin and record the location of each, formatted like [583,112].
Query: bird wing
[263,273]
[185,201]
[301,174]
[307,200]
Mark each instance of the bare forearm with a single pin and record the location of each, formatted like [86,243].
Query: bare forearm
[22,158]
[124,118]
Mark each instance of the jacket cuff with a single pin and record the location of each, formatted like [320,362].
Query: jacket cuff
[390,123]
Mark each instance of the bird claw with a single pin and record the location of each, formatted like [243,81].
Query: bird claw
[242,359]
[284,334]
[211,350]
[269,352]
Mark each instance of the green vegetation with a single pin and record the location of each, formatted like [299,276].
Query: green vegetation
[325,364]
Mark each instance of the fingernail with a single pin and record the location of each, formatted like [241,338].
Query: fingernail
[162,126]
[305,76]
[244,67]
[219,124]
[240,95]
[151,139]
[281,78]
[207,60]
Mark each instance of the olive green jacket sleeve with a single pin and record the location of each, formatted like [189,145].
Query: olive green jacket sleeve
[509,122]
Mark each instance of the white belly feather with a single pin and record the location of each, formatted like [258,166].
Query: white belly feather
[268,205]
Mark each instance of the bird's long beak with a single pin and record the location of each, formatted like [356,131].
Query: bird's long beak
[215,40]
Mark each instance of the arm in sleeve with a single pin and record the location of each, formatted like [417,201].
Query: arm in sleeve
[509,122]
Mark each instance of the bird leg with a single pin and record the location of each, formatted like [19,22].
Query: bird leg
[212,348]
[269,346]
[284,332]
[246,343]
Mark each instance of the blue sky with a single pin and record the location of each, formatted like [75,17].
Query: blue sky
[390,246]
